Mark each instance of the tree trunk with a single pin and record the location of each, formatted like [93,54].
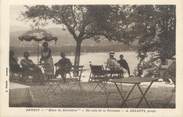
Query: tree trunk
[77,56]
[77,53]
[163,52]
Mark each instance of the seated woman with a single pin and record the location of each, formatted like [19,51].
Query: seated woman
[149,68]
[14,66]
[30,69]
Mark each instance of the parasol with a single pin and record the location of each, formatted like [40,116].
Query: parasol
[37,35]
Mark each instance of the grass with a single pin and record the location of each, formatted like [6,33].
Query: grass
[71,96]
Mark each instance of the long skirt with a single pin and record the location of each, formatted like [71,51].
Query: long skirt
[48,66]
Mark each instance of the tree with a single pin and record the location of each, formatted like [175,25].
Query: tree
[74,18]
[83,22]
[167,25]
[153,26]
[159,29]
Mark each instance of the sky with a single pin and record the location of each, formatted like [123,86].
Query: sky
[15,16]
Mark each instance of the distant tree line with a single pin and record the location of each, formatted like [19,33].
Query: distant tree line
[69,50]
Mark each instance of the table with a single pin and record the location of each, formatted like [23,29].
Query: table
[136,83]
[20,95]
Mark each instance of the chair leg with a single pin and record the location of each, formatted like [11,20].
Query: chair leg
[52,87]
[70,75]
[98,84]
[90,77]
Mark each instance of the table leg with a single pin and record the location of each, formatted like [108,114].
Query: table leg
[103,86]
[143,95]
[128,94]
[118,89]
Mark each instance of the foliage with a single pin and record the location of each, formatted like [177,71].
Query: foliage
[83,22]
[157,32]
[152,26]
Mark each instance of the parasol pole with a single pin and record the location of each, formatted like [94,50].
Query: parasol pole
[38,50]
[38,53]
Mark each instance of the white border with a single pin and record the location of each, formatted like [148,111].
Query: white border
[5,111]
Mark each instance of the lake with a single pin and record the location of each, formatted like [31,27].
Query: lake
[97,58]
[100,59]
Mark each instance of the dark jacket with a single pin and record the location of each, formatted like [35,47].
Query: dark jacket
[64,64]
[124,64]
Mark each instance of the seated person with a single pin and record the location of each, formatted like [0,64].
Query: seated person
[64,66]
[124,64]
[113,65]
[29,68]
[154,69]
[13,62]
[142,64]
[151,67]
[168,71]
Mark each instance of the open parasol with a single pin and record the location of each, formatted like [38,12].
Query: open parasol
[37,35]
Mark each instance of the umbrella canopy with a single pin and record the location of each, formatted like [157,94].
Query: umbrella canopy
[37,35]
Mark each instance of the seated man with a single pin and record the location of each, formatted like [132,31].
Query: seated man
[113,65]
[29,68]
[124,64]
[64,66]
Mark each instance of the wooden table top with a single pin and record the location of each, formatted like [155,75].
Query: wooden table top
[134,80]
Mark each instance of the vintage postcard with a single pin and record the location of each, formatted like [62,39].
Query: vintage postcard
[91,58]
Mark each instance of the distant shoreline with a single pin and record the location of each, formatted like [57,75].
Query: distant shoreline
[70,50]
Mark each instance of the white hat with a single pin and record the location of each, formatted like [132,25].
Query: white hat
[111,52]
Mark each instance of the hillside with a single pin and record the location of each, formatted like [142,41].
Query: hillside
[64,39]
[65,43]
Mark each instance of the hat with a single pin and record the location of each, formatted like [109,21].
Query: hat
[45,44]
[62,53]
[111,52]
[121,55]
[26,54]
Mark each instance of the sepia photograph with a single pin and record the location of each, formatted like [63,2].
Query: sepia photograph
[92,56]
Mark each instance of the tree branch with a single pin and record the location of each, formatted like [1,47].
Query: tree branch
[74,18]
[70,28]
